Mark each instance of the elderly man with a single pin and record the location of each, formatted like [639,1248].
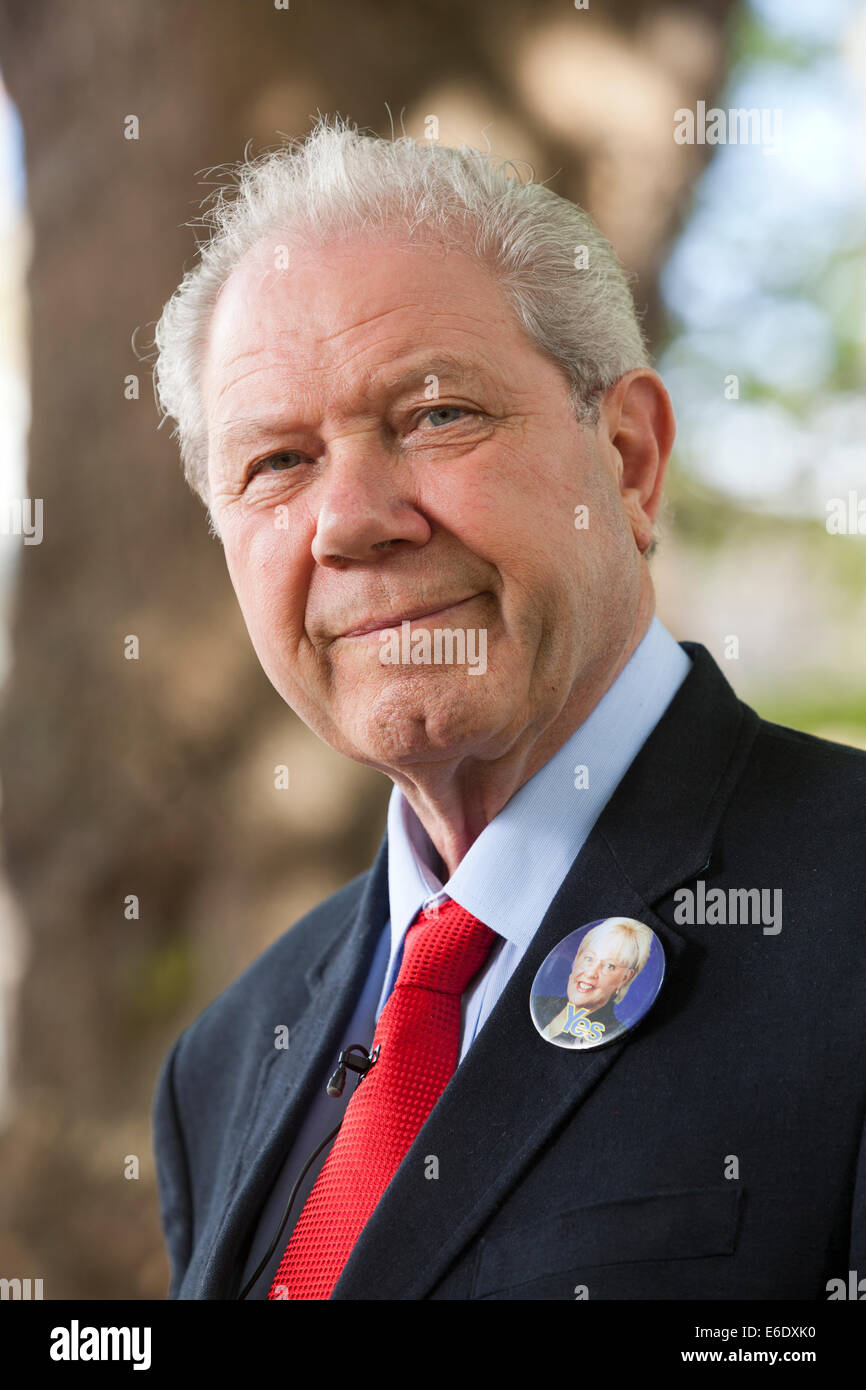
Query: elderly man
[413,394]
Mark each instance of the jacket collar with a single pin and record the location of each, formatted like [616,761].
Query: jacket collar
[662,820]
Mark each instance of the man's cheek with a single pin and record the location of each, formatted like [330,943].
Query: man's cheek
[269,615]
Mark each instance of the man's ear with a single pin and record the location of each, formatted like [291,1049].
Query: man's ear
[637,418]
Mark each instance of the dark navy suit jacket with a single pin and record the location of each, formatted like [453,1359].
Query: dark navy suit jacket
[717,1151]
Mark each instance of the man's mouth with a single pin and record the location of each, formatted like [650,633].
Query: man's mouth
[410,615]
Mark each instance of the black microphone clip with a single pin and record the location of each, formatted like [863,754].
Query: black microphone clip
[361,1065]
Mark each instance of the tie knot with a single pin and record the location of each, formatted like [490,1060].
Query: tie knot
[443,951]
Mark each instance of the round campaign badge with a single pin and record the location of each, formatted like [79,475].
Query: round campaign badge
[597,983]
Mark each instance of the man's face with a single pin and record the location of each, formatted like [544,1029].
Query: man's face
[348,499]
[598,971]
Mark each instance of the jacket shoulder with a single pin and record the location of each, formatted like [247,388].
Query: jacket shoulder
[801,799]
[815,767]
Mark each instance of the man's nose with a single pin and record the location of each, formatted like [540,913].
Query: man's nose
[363,507]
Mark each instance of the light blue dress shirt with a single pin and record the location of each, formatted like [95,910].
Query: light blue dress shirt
[508,879]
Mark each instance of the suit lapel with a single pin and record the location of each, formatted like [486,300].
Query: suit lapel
[334,982]
[512,1089]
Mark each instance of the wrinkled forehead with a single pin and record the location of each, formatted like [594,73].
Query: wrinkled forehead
[342,322]
[318,291]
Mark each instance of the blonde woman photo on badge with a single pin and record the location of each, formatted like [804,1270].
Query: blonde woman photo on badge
[609,958]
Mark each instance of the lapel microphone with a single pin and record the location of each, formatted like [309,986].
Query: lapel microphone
[347,1061]
[360,1064]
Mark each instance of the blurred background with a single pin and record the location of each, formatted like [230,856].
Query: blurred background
[153,778]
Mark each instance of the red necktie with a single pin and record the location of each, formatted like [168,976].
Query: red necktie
[418,1035]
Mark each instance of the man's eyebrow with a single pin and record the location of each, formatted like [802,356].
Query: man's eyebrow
[438,366]
[239,433]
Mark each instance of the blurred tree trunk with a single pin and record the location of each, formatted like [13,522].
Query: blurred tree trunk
[154,777]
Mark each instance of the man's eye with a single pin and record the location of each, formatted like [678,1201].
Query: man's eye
[436,412]
[276,463]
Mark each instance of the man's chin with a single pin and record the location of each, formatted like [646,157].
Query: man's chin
[408,745]
[402,737]
[407,722]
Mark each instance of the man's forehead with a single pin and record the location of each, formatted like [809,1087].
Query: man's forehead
[352,279]
[358,336]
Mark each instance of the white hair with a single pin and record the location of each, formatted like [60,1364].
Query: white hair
[561,276]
